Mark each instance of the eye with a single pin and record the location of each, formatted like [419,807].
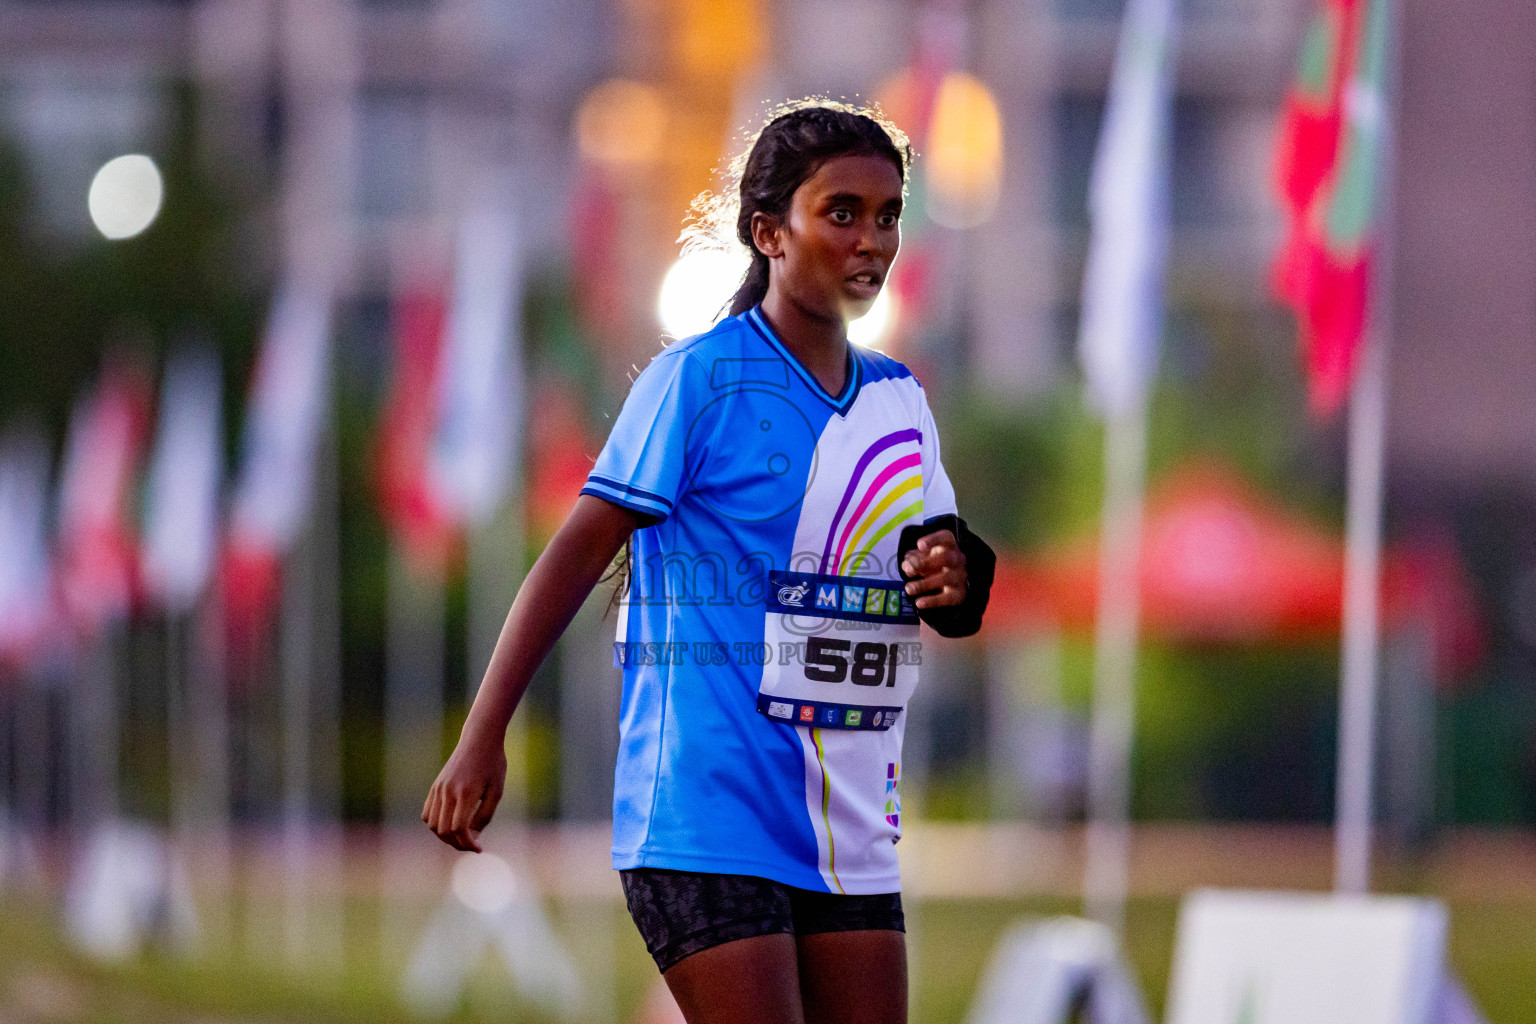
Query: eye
[842,215]
[889,220]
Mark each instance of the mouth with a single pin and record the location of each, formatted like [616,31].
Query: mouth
[866,283]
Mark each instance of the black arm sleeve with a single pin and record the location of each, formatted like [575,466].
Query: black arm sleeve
[963,619]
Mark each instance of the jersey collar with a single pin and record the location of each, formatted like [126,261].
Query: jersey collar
[840,404]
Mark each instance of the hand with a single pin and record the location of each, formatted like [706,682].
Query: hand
[936,568]
[460,803]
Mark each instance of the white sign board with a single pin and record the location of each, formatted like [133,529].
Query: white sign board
[1289,958]
[1045,972]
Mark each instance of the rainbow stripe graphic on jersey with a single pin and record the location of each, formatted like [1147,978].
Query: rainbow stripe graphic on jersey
[893,794]
[888,480]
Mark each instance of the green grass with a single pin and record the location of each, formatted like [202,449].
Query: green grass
[1493,946]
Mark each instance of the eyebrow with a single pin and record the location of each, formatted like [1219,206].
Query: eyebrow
[854,197]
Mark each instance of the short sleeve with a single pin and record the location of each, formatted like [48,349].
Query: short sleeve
[938,495]
[643,466]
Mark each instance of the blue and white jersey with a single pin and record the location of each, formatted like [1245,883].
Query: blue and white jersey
[768,649]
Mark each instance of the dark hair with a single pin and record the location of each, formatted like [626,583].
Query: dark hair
[788,151]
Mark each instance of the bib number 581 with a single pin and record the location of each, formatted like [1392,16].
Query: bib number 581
[828,661]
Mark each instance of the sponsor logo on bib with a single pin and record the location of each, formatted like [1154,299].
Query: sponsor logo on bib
[778,709]
[793,596]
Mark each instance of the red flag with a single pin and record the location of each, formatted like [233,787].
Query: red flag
[1331,150]
[1309,133]
[283,423]
[96,548]
[412,506]
[558,447]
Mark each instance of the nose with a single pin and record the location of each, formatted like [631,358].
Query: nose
[870,241]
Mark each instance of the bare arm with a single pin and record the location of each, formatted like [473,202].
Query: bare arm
[462,800]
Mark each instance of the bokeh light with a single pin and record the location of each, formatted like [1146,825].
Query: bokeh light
[873,329]
[965,153]
[484,882]
[125,196]
[621,123]
[697,287]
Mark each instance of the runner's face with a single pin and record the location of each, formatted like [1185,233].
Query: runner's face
[841,236]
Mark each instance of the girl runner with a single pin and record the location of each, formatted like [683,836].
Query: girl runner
[789,524]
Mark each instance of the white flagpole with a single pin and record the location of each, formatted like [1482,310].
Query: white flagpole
[413,722]
[318,59]
[1122,319]
[208,713]
[1362,562]
[1106,880]
[296,683]
[325,825]
[1360,640]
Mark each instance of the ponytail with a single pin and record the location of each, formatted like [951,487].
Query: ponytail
[754,288]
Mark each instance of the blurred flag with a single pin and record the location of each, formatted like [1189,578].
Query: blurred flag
[1308,142]
[282,430]
[25,597]
[1122,313]
[480,389]
[1329,170]
[182,499]
[910,98]
[557,456]
[597,257]
[412,508]
[451,418]
[97,562]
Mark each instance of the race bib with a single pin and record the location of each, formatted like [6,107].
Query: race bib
[846,651]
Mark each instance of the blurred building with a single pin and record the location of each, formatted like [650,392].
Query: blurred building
[365,128]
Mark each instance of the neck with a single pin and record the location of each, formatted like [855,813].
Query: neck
[818,342]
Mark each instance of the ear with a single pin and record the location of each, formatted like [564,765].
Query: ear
[765,235]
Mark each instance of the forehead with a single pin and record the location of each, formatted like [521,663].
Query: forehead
[873,178]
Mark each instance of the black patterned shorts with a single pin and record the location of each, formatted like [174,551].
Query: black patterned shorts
[680,913]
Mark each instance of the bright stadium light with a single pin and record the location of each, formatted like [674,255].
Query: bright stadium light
[125,196]
[873,329]
[697,288]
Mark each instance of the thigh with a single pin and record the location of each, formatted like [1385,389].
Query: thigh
[723,944]
[854,977]
[683,913]
[748,981]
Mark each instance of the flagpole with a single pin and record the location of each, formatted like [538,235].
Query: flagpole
[1357,711]
[296,684]
[209,710]
[413,722]
[1107,872]
[1122,318]
[1366,480]
[325,826]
